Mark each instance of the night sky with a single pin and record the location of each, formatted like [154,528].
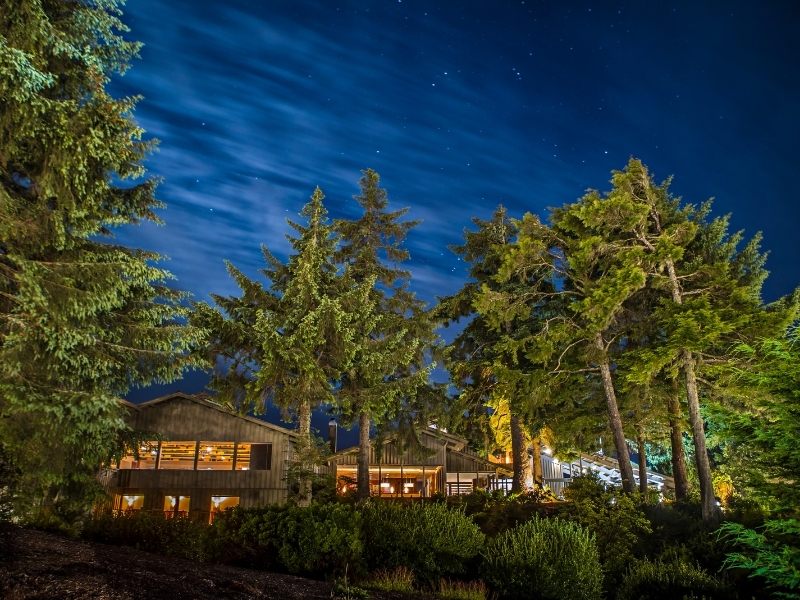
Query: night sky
[460,106]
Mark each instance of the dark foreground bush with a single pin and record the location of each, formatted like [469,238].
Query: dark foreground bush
[150,532]
[323,539]
[669,580]
[429,539]
[546,559]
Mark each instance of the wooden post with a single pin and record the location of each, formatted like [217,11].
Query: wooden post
[158,456]
[196,454]
[402,481]
[235,453]
[458,483]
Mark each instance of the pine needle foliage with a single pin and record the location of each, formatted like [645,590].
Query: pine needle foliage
[390,367]
[81,320]
[291,342]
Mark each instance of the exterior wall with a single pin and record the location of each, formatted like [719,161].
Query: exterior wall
[392,457]
[181,418]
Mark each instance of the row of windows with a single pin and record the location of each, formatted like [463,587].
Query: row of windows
[200,456]
[174,505]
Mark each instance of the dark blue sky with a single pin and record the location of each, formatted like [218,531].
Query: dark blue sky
[459,106]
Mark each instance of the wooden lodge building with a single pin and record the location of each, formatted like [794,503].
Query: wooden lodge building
[210,458]
[450,469]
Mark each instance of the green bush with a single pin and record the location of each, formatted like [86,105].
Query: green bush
[322,539]
[494,512]
[429,539]
[668,580]
[614,518]
[548,559]
[150,532]
[247,537]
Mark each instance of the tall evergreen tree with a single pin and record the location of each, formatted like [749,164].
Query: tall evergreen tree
[81,320]
[390,364]
[712,289]
[477,359]
[290,344]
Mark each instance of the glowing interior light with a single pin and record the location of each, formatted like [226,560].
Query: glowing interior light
[209,448]
[154,452]
[385,484]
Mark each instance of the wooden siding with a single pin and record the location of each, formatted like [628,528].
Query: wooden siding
[251,487]
[391,456]
[469,463]
[182,418]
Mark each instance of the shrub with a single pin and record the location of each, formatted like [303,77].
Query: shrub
[617,522]
[150,532]
[323,539]
[247,537]
[544,558]
[668,580]
[429,539]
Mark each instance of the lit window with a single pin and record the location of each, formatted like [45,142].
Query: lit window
[177,455]
[131,502]
[215,456]
[176,504]
[148,452]
[243,457]
[220,503]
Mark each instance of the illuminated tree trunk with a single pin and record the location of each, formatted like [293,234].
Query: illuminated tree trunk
[519,450]
[640,448]
[676,441]
[537,461]
[615,421]
[306,467]
[707,500]
[363,457]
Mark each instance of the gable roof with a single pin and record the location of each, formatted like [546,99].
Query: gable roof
[203,399]
[453,442]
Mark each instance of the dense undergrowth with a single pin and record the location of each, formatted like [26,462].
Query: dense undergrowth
[598,544]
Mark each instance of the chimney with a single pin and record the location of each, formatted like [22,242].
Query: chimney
[332,427]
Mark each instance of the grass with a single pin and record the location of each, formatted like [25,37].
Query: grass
[463,590]
[400,579]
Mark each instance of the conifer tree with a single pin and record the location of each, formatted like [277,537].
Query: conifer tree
[597,275]
[711,293]
[290,344]
[389,365]
[81,320]
[477,361]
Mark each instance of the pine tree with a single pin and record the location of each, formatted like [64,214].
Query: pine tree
[596,275]
[478,364]
[389,367]
[290,344]
[81,320]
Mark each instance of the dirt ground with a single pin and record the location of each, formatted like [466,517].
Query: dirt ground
[44,566]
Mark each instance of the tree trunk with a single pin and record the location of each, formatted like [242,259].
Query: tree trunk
[537,461]
[519,451]
[363,457]
[708,503]
[676,441]
[615,421]
[640,448]
[707,500]
[304,418]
